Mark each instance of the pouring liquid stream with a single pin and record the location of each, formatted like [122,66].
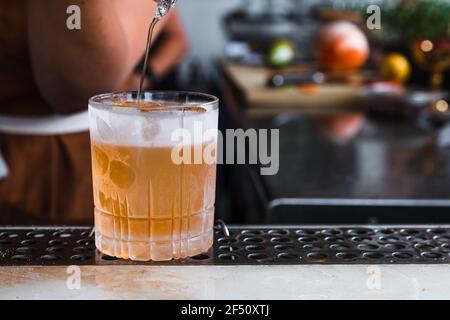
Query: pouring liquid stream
[163,7]
[147,52]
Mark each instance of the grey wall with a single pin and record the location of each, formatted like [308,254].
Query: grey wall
[202,19]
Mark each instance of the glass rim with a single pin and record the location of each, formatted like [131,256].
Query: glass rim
[98,101]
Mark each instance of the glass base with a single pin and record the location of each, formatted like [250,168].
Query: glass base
[156,250]
[143,239]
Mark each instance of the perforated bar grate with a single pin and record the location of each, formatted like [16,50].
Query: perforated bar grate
[245,245]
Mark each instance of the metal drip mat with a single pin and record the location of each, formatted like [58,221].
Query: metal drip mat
[244,246]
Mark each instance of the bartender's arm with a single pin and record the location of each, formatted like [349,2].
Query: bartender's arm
[72,65]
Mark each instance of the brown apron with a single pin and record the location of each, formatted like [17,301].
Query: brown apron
[49,179]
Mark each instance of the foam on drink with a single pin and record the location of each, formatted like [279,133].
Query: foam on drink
[162,119]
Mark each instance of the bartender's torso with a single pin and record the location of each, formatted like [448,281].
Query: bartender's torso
[17,87]
[49,179]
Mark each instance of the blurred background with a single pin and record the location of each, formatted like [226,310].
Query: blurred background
[360,97]
[358,89]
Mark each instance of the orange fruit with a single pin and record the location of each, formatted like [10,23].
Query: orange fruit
[342,45]
[395,67]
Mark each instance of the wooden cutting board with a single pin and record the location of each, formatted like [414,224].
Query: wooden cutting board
[251,81]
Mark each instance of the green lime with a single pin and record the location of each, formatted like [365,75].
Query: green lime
[281,54]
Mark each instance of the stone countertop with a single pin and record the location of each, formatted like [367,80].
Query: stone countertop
[227,282]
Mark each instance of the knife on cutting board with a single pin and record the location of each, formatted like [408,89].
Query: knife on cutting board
[282,79]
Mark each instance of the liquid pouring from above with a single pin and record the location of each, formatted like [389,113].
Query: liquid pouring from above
[162,9]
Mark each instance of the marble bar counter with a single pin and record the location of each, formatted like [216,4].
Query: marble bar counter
[227,282]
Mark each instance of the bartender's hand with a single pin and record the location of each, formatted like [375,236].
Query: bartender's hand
[72,65]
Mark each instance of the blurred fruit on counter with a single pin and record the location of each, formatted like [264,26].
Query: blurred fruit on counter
[281,54]
[342,46]
[395,67]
